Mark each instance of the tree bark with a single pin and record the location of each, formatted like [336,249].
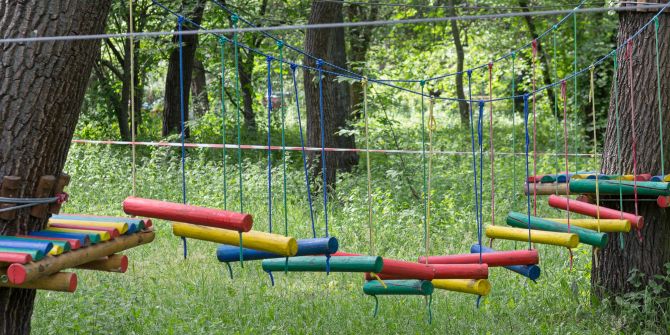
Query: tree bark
[328,44]
[40,101]
[610,273]
[199,88]
[172,109]
[463,106]
[546,68]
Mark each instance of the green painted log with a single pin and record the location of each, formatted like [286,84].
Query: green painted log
[398,287]
[586,236]
[549,178]
[34,253]
[611,187]
[318,263]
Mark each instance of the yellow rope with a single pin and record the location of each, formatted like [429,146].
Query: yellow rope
[592,99]
[376,277]
[364,83]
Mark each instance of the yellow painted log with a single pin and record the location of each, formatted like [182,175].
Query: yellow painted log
[606,225]
[666,178]
[56,250]
[628,177]
[472,286]
[104,236]
[536,236]
[275,243]
[59,282]
[122,227]
[545,188]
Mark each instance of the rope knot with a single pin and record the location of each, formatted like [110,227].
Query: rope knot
[293,66]
[564,86]
[422,83]
[364,81]
[319,63]
[180,19]
[526,96]
[469,72]
[269,59]
[481,102]
[234,18]
[513,54]
[280,44]
[62,197]
[534,45]
[222,40]
[490,65]
[554,27]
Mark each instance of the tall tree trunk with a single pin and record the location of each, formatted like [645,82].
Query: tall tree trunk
[359,43]
[546,68]
[328,44]
[40,101]
[610,273]
[172,109]
[199,88]
[463,106]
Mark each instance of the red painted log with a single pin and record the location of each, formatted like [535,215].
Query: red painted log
[112,231]
[636,221]
[398,269]
[14,257]
[461,271]
[187,213]
[74,243]
[498,258]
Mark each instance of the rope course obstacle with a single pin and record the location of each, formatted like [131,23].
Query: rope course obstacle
[92,242]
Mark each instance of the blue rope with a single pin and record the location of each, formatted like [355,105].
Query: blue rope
[480,221]
[322,124]
[474,161]
[180,23]
[304,155]
[525,122]
[269,98]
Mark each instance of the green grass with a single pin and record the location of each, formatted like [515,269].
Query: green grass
[162,293]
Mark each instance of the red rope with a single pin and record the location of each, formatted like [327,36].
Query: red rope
[492,150]
[534,45]
[629,51]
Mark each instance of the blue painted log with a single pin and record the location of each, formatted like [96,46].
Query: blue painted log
[532,272]
[306,247]
[85,239]
[18,243]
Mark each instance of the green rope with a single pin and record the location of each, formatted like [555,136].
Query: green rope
[557,145]
[234,19]
[364,83]
[425,177]
[516,192]
[618,140]
[576,104]
[660,104]
[222,42]
[280,46]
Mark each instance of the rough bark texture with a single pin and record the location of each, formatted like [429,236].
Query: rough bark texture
[328,44]
[610,273]
[172,109]
[199,88]
[40,101]
[463,107]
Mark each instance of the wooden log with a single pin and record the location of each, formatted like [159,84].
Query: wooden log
[19,274]
[546,188]
[10,189]
[59,282]
[63,180]
[113,263]
[44,189]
